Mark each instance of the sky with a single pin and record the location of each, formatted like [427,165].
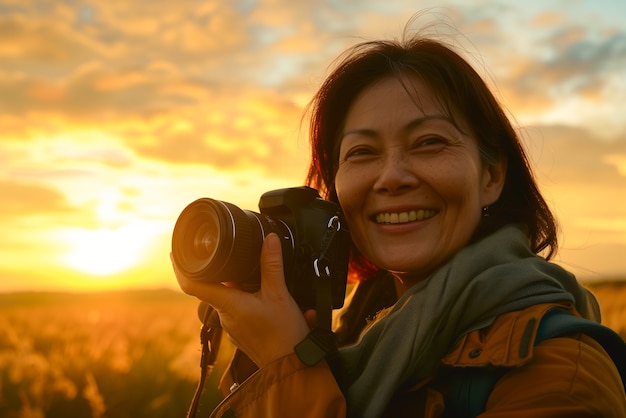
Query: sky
[114,115]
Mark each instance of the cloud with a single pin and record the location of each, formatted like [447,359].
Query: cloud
[595,261]
[575,154]
[112,60]
[579,175]
[177,82]
[27,42]
[548,18]
[232,133]
[582,64]
[26,199]
[93,92]
[569,64]
[618,160]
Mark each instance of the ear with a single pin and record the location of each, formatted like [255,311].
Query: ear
[494,176]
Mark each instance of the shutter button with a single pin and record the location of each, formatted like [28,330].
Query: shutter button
[475,353]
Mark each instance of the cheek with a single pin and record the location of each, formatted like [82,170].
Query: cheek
[345,189]
[460,186]
[351,194]
[463,207]
[458,191]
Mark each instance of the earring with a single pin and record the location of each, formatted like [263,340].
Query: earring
[485,211]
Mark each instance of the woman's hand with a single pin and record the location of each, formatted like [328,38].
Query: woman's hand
[265,325]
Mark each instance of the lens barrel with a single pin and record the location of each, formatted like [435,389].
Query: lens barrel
[216,241]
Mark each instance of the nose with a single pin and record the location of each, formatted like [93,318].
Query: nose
[396,174]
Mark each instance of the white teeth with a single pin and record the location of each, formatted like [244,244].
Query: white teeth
[403,217]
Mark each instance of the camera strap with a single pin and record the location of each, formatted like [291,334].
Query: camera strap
[320,341]
[210,338]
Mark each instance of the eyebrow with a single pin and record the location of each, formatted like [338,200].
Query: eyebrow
[410,126]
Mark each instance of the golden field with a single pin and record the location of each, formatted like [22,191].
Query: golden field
[126,354]
[612,297]
[115,355]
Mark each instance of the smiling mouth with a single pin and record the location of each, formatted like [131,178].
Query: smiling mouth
[404,217]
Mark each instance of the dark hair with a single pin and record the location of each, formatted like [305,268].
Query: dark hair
[463,93]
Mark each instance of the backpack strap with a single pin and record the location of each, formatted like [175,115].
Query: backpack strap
[559,323]
[470,387]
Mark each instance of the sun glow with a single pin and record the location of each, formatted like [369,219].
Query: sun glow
[104,252]
[119,243]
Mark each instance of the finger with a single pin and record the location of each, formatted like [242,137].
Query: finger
[272,274]
[222,298]
[215,294]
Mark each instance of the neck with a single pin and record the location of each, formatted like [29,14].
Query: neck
[404,281]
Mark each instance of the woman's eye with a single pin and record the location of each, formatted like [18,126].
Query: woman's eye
[357,152]
[431,143]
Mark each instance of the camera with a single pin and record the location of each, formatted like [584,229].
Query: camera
[216,241]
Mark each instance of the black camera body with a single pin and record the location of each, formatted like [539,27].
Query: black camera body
[216,241]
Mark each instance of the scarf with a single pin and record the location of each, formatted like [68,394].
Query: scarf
[496,275]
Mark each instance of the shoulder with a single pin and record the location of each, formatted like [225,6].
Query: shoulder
[571,374]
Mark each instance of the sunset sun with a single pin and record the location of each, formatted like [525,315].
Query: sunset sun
[104,252]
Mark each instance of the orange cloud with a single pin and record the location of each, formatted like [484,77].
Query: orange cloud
[119,81]
[617,160]
[549,18]
[22,199]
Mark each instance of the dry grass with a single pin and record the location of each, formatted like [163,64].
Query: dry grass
[612,298]
[111,355]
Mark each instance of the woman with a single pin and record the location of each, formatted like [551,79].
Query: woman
[446,223]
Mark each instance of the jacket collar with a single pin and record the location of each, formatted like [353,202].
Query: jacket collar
[507,342]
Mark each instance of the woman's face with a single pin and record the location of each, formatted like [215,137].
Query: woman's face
[411,183]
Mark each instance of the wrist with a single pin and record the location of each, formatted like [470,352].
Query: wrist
[316,346]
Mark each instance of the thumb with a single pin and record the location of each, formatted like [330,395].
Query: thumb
[272,274]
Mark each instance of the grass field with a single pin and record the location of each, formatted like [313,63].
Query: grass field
[130,354]
[612,297]
[116,355]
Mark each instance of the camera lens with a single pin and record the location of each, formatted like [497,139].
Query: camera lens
[206,238]
[216,241]
[213,240]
